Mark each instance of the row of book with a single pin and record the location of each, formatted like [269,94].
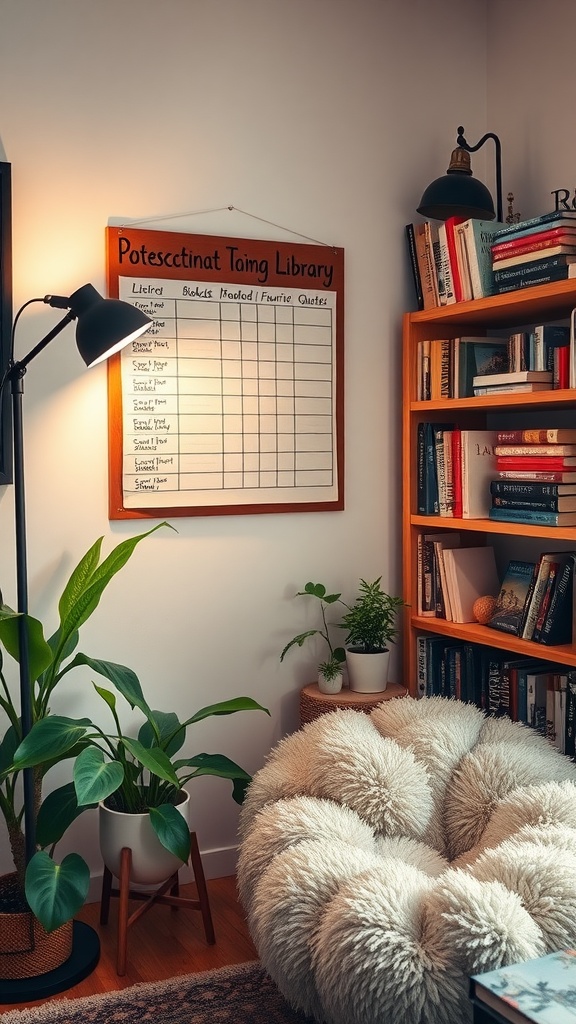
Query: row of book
[460,259]
[540,694]
[451,261]
[536,599]
[531,253]
[494,474]
[537,359]
[451,575]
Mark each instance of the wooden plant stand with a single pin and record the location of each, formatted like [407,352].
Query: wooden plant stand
[173,899]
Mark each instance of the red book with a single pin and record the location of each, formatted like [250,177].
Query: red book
[457,472]
[450,225]
[561,366]
[556,462]
[540,239]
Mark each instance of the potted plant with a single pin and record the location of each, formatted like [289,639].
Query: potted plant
[52,893]
[329,670]
[371,626]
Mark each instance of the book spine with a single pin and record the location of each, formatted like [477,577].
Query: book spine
[528,279]
[530,504]
[516,230]
[454,266]
[519,489]
[570,731]
[526,516]
[421,469]
[533,604]
[535,449]
[551,436]
[534,241]
[477,238]
[545,601]
[538,462]
[537,257]
[533,267]
[411,240]
[426,279]
[557,625]
[457,471]
[548,476]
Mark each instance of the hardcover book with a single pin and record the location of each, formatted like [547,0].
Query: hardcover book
[551,435]
[530,490]
[553,218]
[476,357]
[541,991]
[477,237]
[509,610]
[535,449]
[514,259]
[478,464]
[538,240]
[532,516]
[514,377]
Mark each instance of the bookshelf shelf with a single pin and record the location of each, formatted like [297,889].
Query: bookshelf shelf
[514,310]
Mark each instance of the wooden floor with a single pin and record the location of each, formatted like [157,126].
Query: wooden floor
[165,943]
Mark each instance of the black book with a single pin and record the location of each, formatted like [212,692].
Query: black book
[557,625]
[410,237]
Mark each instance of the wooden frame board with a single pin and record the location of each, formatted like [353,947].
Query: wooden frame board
[5,319]
[233,402]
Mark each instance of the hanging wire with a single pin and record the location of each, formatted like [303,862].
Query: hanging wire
[221,209]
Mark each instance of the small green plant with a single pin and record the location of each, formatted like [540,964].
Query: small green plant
[371,620]
[333,664]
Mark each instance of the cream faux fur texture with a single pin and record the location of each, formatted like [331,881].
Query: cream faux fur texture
[384,858]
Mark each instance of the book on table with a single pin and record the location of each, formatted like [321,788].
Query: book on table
[509,611]
[540,991]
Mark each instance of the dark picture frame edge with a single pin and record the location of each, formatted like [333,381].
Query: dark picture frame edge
[5,318]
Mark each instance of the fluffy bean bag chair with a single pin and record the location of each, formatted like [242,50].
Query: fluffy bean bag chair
[384,858]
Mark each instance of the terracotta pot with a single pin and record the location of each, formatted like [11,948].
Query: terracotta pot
[26,949]
[152,863]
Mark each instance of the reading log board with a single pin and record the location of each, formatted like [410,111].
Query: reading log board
[233,401]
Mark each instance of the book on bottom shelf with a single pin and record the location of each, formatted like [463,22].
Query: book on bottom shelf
[540,991]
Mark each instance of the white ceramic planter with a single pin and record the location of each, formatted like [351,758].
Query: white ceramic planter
[367,673]
[152,863]
[333,685]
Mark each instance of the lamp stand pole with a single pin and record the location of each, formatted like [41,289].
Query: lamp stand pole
[461,141]
[85,942]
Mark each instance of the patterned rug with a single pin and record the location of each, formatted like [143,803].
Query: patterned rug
[243,994]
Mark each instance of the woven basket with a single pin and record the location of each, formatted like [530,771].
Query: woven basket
[26,949]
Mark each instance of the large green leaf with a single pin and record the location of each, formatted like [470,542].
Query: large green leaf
[79,579]
[57,812]
[81,601]
[226,707]
[55,892]
[95,778]
[8,748]
[39,652]
[171,829]
[124,679]
[171,733]
[50,739]
[220,766]
[153,758]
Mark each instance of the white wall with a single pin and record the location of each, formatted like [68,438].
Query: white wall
[328,117]
[531,87]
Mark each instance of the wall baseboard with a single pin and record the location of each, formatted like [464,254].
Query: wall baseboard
[217,864]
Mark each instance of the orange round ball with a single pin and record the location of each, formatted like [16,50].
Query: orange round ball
[483,609]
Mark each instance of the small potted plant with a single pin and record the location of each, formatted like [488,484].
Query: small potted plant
[371,626]
[329,670]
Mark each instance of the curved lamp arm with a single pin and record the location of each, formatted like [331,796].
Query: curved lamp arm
[461,142]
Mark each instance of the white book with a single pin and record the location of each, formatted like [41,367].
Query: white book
[471,573]
[445,540]
[478,468]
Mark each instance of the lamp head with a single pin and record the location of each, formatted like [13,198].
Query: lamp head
[104,325]
[457,193]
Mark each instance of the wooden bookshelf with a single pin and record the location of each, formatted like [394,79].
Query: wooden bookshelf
[514,311]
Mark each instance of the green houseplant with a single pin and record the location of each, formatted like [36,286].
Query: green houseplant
[331,668]
[371,626]
[104,765]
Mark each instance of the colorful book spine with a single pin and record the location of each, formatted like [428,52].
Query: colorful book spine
[535,240]
[535,449]
[555,435]
[536,504]
[526,226]
[534,516]
[538,475]
[530,278]
[530,491]
[535,462]
[533,257]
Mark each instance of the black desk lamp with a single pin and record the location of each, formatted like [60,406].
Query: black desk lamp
[104,327]
[457,193]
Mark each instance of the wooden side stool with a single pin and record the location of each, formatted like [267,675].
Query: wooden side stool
[314,703]
[173,899]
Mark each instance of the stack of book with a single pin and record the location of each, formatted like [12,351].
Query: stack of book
[542,465]
[534,251]
[455,467]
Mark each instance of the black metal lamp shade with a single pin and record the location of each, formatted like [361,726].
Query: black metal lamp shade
[104,325]
[457,193]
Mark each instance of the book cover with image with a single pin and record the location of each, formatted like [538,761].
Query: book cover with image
[542,991]
[511,601]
